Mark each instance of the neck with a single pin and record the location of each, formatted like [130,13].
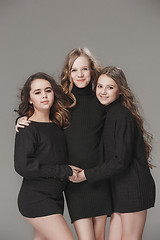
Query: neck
[114,103]
[40,117]
[82,91]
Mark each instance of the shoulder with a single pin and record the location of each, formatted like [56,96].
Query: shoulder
[120,116]
[27,137]
[30,130]
[122,113]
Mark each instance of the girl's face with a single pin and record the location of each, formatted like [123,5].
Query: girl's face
[80,72]
[41,95]
[106,90]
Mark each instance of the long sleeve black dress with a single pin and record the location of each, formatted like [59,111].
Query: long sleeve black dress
[85,199]
[125,163]
[41,158]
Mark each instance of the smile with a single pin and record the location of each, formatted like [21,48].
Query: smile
[80,80]
[103,96]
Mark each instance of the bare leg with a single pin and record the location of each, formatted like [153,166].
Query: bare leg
[133,225]
[99,224]
[52,227]
[115,228]
[84,229]
[38,236]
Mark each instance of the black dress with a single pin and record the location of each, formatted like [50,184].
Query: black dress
[133,188]
[85,199]
[41,157]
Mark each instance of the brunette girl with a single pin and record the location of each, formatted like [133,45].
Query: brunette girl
[41,157]
[126,148]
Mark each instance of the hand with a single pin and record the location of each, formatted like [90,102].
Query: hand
[22,122]
[74,176]
[76,169]
[79,178]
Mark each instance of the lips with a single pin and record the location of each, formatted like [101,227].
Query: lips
[80,80]
[104,97]
[45,102]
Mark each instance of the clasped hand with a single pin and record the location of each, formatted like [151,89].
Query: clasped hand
[78,175]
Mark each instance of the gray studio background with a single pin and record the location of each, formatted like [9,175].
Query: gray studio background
[35,35]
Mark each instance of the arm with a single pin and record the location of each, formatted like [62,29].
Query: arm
[120,149]
[25,160]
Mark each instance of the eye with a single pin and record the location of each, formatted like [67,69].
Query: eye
[110,87]
[36,93]
[85,68]
[99,86]
[49,90]
[73,70]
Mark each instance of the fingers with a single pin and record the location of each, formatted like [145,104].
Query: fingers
[78,177]
[73,177]
[76,168]
[17,126]
[22,122]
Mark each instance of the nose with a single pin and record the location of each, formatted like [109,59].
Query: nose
[44,94]
[103,91]
[80,73]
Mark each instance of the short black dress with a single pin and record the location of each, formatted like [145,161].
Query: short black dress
[125,162]
[86,199]
[41,158]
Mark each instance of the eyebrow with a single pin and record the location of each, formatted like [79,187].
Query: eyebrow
[81,67]
[107,84]
[38,89]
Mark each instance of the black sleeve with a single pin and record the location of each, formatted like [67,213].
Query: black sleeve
[122,150]
[27,164]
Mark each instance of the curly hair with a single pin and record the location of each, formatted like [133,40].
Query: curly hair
[58,112]
[66,80]
[129,101]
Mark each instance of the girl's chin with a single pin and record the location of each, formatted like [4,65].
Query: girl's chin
[103,102]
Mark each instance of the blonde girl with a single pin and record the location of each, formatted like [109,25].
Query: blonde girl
[88,204]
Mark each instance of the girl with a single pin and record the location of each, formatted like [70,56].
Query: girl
[126,148]
[41,157]
[88,204]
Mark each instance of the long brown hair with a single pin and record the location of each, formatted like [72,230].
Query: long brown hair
[66,80]
[129,101]
[58,112]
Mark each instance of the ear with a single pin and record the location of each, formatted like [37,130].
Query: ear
[30,101]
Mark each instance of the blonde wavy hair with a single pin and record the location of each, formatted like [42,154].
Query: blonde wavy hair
[129,101]
[66,81]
